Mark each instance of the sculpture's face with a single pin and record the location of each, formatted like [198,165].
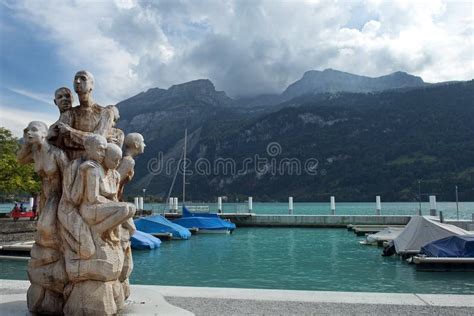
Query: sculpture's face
[83,83]
[96,151]
[112,160]
[63,100]
[141,145]
[34,133]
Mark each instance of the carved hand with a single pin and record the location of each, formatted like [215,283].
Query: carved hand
[63,127]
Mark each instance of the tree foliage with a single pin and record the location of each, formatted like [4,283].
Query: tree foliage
[15,178]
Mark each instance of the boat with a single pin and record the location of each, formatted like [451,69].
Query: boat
[209,223]
[158,225]
[385,235]
[420,231]
[141,240]
[452,246]
[453,253]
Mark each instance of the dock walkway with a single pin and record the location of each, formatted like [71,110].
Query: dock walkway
[317,220]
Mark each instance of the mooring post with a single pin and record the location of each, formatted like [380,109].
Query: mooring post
[441,217]
[333,205]
[219,204]
[170,204]
[250,204]
[432,205]
[290,205]
[175,208]
[378,207]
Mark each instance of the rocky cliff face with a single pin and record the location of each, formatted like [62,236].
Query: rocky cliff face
[158,113]
[161,116]
[331,80]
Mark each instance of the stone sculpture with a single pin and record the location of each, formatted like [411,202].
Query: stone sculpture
[81,260]
[134,146]
[46,268]
[88,118]
[116,135]
[64,99]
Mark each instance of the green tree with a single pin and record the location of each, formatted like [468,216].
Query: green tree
[15,178]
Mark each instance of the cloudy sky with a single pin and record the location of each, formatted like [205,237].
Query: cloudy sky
[245,47]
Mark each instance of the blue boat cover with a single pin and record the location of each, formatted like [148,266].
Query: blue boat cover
[159,224]
[453,246]
[141,240]
[209,221]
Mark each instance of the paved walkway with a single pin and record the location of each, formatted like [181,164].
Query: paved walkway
[159,300]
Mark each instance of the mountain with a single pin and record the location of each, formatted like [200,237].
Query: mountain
[161,116]
[364,143]
[331,80]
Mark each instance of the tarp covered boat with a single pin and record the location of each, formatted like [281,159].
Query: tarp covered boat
[453,246]
[205,222]
[158,224]
[387,234]
[422,230]
[141,240]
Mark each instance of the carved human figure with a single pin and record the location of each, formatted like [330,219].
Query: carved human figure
[87,119]
[94,191]
[63,99]
[134,145]
[116,135]
[113,156]
[46,267]
[81,261]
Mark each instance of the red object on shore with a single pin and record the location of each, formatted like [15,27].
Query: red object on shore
[17,212]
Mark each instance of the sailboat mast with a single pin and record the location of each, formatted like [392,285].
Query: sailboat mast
[184,165]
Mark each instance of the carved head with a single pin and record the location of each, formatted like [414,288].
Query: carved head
[63,98]
[113,155]
[135,143]
[83,82]
[95,146]
[35,132]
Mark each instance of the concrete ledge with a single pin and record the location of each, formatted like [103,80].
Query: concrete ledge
[155,300]
[317,296]
[142,301]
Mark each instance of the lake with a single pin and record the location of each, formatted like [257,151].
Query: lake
[280,258]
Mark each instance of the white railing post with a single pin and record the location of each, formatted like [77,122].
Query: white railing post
[333,205]
[378,206]
[175,204]
[219,204]
[433,205]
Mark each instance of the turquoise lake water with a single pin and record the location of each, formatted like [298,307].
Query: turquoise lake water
[466,209]
[280,258]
